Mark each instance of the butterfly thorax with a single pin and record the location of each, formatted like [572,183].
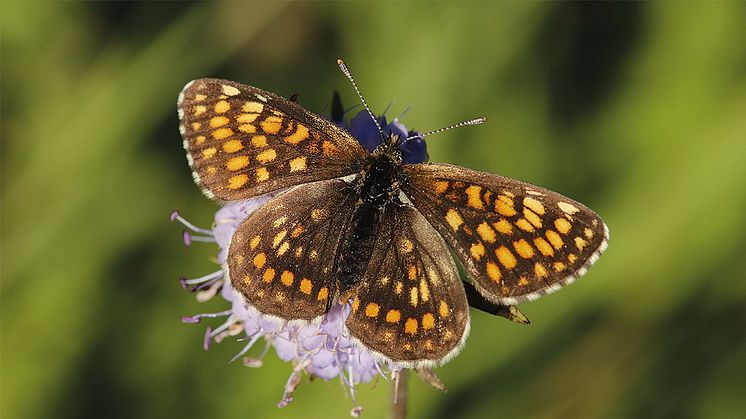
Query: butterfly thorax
[378,182]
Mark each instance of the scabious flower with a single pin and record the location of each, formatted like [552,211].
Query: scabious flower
[324,350]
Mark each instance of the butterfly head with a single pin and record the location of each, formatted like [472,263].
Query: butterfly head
[412,148]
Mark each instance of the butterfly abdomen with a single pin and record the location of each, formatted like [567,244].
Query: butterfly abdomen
[358,246]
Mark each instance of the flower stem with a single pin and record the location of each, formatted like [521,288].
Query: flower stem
[400,393]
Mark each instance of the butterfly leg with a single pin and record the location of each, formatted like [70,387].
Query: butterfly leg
[477,301]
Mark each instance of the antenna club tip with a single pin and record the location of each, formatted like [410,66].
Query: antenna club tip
[339,61]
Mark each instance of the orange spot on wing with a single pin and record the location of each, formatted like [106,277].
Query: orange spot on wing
[424,290]
[504,206]
[440,186]
[532,217]
[230,90]
[262,174]
[300,134]
[287,278]
[534,205]
[543,246]
[222,106]
[410,326]
[562,225]
[393,316]
[259,141]
[443,309]
[222,133]
[486,232]
[232,146]
[506,257]
[524,225]
[473,197]
[540,270]
[218,121]
[305,286]
[328,148]
[493,272]
[266,156]
[237,181]
[371,310]
[477,251]
[567,208]
[269,275]
[259,260]
[554,239]
[252,107]
[428,321]
[523,249]
[246,118]
[323,294]
[272,125]
[237,163]
[209,152]
[297,164]
[503,226]
[454,219]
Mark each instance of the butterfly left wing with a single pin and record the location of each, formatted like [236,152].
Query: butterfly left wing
[411,306]
[242,141]
[282,259]
[516,240]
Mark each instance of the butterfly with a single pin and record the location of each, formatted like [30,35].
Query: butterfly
[365,229]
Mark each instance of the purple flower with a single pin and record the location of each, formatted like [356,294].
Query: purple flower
[324,350]
[365,131]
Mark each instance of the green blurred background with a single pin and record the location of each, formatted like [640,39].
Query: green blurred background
[637,110]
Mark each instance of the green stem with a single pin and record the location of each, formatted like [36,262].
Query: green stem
[400,394]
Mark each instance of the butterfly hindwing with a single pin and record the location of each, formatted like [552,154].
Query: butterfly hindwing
[243,142]
[410,305]
[517,241]
[282,259]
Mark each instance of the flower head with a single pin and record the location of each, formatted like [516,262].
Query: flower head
[324,349]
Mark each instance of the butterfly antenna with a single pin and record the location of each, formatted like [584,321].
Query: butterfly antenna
[475,121]
[346,71]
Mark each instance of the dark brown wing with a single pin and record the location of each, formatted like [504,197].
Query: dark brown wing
[410,306]
[282,259]
[243,142]
[517,241]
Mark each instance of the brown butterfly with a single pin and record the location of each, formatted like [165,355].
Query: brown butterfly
[364,227]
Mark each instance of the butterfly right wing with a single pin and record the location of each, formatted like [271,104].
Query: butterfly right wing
[282,259]
[517,241]
[242,141]
[410,307]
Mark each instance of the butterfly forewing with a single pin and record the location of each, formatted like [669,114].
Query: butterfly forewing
[282,259]
[243,142]
[516,240]
[410,306]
